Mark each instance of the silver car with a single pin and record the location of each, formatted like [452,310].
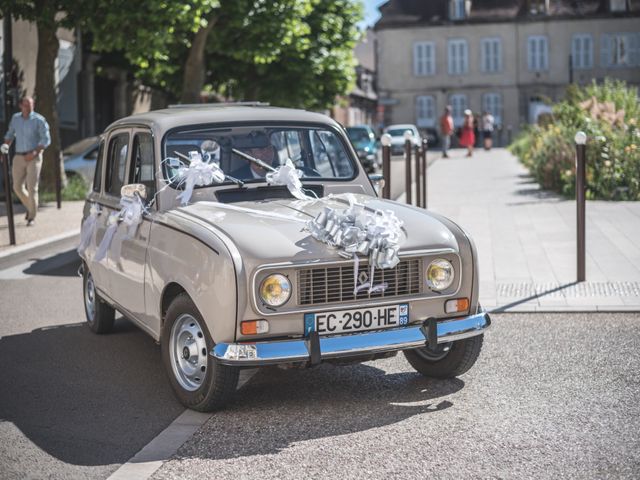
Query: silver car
[80,159]
[243,271]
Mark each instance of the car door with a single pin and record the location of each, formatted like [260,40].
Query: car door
[128,268]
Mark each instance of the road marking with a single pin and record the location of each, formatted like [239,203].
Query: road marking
[11,251]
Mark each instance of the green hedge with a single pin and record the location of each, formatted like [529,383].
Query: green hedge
[609,114]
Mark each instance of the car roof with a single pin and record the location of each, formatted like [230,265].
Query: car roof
[180,115]
[401,125]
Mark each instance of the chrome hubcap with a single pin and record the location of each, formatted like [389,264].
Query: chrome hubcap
[188,350]
[90,298]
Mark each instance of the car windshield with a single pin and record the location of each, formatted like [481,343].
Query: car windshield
[358,134]
[397,132]
[318,153]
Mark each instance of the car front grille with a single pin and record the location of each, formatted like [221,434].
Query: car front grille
[335,283]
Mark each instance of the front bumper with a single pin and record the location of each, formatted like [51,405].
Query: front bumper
[344,346]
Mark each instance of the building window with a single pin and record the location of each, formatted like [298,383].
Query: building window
[492,103]
[620,50]
[458,57]
[424,58]
[425,111]
[582,51]
[491,55]
[537,53]
[457,10]
[458,104]
[618,5]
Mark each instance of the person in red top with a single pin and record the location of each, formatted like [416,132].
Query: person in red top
[468,137]
[446,129]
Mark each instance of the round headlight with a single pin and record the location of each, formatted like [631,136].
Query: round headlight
[275,290]
[439,274]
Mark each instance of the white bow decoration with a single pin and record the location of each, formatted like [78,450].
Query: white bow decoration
[289,176]
[88,229]
[357,230]
[131,216]
[199,173]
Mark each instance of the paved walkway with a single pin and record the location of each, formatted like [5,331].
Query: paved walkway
[50,223]
[526,237]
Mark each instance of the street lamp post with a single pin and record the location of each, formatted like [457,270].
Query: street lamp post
[7,62]
[385,140]
[419,174]
[581,140]
[425,145]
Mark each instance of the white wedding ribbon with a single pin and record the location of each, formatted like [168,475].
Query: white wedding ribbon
[288,176]
[197,173]
[131,216]
[88,229]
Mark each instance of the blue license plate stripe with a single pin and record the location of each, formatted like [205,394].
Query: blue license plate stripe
[309,323]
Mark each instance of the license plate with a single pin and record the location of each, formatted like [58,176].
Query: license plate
[357,320]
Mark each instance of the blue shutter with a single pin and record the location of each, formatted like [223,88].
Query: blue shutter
[606,50]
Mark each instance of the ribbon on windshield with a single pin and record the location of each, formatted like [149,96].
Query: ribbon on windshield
[288,176]
[197,173]
[357,230]
[88,229]
[131,216]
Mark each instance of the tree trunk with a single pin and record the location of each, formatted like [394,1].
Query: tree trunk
[45,97]
[194,68]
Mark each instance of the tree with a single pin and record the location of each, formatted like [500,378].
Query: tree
[48,17]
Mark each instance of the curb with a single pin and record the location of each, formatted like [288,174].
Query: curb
[12,253]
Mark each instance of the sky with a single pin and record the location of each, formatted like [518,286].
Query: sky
[371,13]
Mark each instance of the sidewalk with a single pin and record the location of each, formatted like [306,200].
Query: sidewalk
[50,224]
[526,237]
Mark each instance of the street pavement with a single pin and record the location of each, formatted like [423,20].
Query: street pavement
[552,395]
[526,236]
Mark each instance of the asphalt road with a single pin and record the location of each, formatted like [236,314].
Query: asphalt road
[551,396]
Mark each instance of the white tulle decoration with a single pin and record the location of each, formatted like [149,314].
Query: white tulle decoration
[88,229]
[288,176]
[197,173]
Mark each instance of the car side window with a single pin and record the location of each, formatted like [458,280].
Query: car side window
[142,163]
[97,174]
[117,163]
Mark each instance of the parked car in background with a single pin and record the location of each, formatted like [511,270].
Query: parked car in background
[80,159]
[397,136]
[431,134]
[364,142]
[242,273]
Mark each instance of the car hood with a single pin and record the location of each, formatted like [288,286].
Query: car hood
[364,144]
[274,230]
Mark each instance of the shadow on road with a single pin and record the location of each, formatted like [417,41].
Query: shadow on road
[278,408]
[82,398]
[63,264]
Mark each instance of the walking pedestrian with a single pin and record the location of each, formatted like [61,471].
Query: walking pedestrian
[487,129]
[31,133]
[446,129]
[468,137]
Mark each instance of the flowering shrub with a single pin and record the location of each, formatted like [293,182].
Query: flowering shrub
[609,114]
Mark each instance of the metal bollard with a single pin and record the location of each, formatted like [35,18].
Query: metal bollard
[425,145]
[58,184]
[418,162]
[8,199]
[407,165]
[581,140]
[385,140]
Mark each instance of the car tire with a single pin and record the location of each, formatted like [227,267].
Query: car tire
[460,357]
[200,383]
[100,315]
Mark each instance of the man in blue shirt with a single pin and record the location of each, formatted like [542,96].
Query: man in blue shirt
[31,133]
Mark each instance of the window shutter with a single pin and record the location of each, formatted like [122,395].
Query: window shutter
[531,52]
[606,50]
[498,54]
[544,48]
[451,59]
[417,66]
[634,49]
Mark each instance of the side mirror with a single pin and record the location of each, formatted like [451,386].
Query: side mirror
[377,180]
[133,189]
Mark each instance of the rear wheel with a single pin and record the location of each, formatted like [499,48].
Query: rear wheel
[199,381]
[100,316]
[448,360]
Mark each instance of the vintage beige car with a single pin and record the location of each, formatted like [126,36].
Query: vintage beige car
[187,235]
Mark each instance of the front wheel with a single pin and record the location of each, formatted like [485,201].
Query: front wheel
[100,316]
[199,381]
[450,360]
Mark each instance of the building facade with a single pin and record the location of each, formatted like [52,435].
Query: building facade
[512,58]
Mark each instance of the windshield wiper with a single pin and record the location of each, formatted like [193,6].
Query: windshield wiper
[257,161]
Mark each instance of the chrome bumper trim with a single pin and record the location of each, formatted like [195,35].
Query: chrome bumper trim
[404,338]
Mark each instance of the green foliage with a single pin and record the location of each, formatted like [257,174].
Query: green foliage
[76,189]
[613,153]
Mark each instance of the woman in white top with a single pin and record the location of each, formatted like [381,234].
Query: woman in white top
[487,129]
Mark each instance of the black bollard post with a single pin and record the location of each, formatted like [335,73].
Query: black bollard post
[425,145]
[419,173]
[407,165]
[581,140]
[385,140]
[58,184]
[8,199]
